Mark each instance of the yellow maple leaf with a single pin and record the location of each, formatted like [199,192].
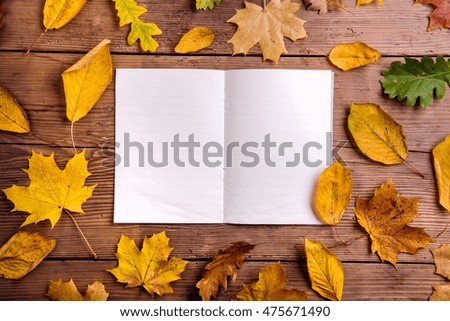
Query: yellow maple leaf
[385,218]
[325,270]
[334,190]
[23,252]
[86,80]
[129,12]
[442,260]
[225,264]
[270,287]
[148,267]
[442,170]
[361,2]
[51,189]
[440,293]
[353,55]
[267,27]
[195,39]
[67,291]
[57,13]
[13,117]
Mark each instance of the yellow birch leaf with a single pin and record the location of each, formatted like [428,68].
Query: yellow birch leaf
[442,169]
[334,190]
[377,134]
[353,55]
[194,40]
[148,267]
[51,189]
[440,293]
[442,260]
[325,270]
[360,2]
[267,26]
[23,252]
[58,13]
[385,218]
[86,80]
[67,291]
[13,117]
[270,287]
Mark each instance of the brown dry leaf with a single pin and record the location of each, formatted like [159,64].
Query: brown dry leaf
[440,293]
[360,2]
[23,252]
[440,17]
[323,6]
[442,170]
[334,190]
[267,26]
[325,270]
[385,218]
[348,56]
[149,267]
[67,291]
[13,117]
[442,260]
[270,287]
[225,263]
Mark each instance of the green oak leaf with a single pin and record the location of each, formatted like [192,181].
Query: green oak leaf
[416,79]
[204,4]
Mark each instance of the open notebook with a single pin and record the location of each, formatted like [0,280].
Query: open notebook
[214,146]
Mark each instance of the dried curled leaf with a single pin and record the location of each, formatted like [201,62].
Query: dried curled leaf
[325,270]
[442,170]
[85,81]
[67,291]
[51,189]
[334,190]
[57,13]
[323,6]
[440,17]
[361,2]
[270,287]
[206,4]
[225,264]
[267,27]
[440,293]
[377,134]
[442,260]
[23,252]
[385,218]
[13,117]
[148,267]
[353,55]
[195,39]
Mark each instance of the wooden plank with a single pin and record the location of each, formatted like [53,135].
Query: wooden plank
[395,28]
[35,81]
[362,281]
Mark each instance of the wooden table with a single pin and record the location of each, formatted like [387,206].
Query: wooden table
[397,28]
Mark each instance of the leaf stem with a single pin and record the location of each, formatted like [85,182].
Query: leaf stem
[346,242]
[265,5]
[81,233]
[35,41]
[441,232]
[73,141]
[414,168]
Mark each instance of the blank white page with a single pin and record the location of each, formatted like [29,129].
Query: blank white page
[153,105]
[293,106]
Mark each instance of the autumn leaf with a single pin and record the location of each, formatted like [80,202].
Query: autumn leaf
[377,134]
[148,267]
[323,6]
[86,80]
[334,190]
[440,293]
[325,270]
[442,260]
[225,264]
[13,117]
[206,4]
[353,55]
[361,2]
[194,40]
[270,287]
[417,80]
[129,12]
[385,218]
[442,170]
[67,291]
[51,189]
[267,27]
[23,252]
[440,17]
